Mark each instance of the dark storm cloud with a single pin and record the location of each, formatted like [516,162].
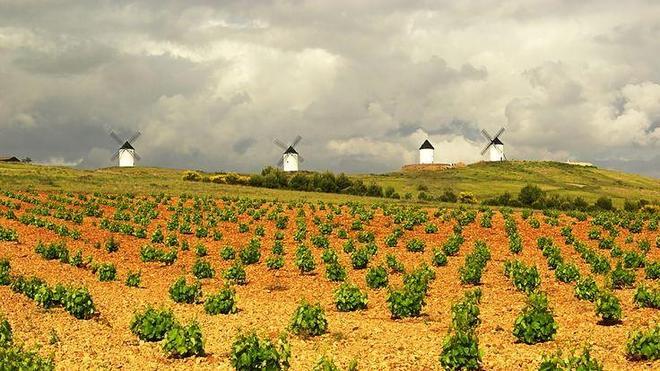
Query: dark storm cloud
[210,83]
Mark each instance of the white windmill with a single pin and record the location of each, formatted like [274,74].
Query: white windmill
[126,153]
[426,153]
[495,145]
[290,158]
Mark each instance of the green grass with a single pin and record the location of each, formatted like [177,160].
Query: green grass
[484,180]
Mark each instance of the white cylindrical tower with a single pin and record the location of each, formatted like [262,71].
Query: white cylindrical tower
[126,155]
[426,153]
[290,160]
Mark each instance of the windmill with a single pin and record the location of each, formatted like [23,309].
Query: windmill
[426,153]
[126,153]
[495,145]
[290,157]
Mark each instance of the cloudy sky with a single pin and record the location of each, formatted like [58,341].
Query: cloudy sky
[211,83]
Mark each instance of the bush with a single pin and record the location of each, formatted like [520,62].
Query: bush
[608,308]
[647,298]
[360,258]
[377,277]
[394,265]
[5,332]
[106,272]
[586,289]
[460,351]
[192,176]
[644,345]
[335,272]
[309,320]
[621,278]
[530,194]
[567,272]
[248,353]
[227,253]
[275,262]
[304,259]
[652,270]
[439,258]
[14,357]
[250,254]
[112,245]
[224,302]
[349,297]
[453,244]
[604,203]
[415,245]
[235,274]
[405,302]
[152,324]
[525,279]
[465,313]
[133,279]
[181,292]
[536,323]
[184,341]
[470,272]
[584,362]
[78,302]
[202,269]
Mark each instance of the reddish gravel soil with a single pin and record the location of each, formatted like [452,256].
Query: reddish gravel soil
[269,299]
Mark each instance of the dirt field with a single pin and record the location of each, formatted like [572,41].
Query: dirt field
[268,301]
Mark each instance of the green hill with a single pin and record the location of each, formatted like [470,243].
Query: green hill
[484,180]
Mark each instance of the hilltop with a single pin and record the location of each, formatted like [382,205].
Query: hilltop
[484,180]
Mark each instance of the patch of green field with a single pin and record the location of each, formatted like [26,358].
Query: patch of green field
[484,180]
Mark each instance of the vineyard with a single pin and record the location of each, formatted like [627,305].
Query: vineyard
[104,280]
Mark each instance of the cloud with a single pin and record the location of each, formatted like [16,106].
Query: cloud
[210,85]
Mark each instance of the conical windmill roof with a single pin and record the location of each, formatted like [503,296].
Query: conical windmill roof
[127,145]
[497,141]
[290,150]
[426,145]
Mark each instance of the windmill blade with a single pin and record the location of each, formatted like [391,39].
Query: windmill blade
[116,137]
[280,163]
[499,132]
[300,158]
[296,141]
[134,137]
[115,156]
[280,144]
[136,156]
[486,135]
[486,148]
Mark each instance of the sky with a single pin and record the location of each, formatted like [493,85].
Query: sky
[210,84]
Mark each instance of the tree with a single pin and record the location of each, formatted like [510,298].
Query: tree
[530,194]
[604,203]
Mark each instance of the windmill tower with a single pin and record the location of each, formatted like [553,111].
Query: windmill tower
[290,158]
[126,153]
[494,146]
[426,153]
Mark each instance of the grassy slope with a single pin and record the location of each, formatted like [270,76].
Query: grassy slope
[483,179]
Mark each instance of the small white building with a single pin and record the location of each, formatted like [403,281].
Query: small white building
[426,153]
[496,150]
[290,160]
[126,155]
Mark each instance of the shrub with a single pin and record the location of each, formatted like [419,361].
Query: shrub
[14,357]
[250,254]
[394,265]
[181,292]
[460,351]
[112,245]
[536,323]
[235,274]
[415,245]
[227,253]
[275,262]
[349,297]
[608,308]
[633,259]
[106,272]
[604,203]
[405,302]
[335,272]
[248,353]
[201,250]
[133,279]
[360,258]
[647,298]
[304,259]
[152,324]
[309,320]
[78,302]
[652,270]
[465,313]
[586,289]
[621,278]
[471,271]
[439,258]
[5,268]
[224,302]
[329,256]
[184,341]
[526,279]
[530,194]
[377,277]
[453,244]
[583,362]
[192,176]
[567,272]
[202,269]
[644,345]
[5,332]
